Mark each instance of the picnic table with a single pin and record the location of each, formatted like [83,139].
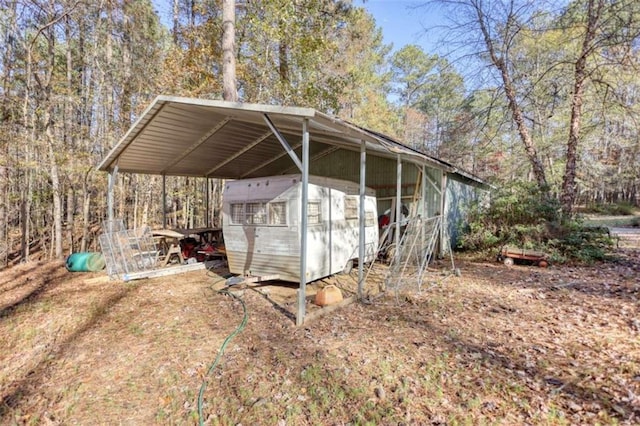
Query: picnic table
[204,235]
[169,240]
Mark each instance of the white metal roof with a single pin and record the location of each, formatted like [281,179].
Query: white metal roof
[178,136]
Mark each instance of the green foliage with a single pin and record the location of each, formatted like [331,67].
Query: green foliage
[581,243]
[518,214]
[521,215]
[614,209]
[413,71]
[292,52]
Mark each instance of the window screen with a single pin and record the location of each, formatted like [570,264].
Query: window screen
[370,219]
[278,213]
[256,213]
[313,213]
[350,208]
[237,213]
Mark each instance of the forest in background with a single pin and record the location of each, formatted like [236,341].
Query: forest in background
[530,91]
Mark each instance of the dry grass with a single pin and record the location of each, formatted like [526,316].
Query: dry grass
[495,346]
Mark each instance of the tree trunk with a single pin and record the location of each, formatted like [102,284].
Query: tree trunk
[55,189]
[230,93]
[283,66]
[86,212]
[47,121]
[514,106]
[25,213]
[69,221]
[136,204]
[176,15]
[568,195]
[4,184]
[25,204]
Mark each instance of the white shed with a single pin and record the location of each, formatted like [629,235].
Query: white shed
[262,226]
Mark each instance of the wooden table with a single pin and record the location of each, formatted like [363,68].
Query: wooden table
[204,235]
[169,239]
[169,242]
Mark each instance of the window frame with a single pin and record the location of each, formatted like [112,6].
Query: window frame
[251,209]
[251,213]
[235,215]
[284,212]
[317,221]
[350,209]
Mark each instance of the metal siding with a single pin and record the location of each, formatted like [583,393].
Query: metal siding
[459,196]
[287,267]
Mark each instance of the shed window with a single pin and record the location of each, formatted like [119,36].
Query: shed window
[313,213]
[350,208]
[278,213]
[237,213]
[256,213]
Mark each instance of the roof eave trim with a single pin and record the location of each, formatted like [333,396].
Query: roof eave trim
[242,106]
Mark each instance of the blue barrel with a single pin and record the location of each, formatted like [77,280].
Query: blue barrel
[85,262]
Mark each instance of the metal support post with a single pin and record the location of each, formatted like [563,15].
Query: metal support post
[362,241]
[164,201]
[302,296]
[113,175]
[207,214]
[443,214]
[398,205]
[424,208]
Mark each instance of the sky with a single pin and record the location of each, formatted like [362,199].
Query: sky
[404,23]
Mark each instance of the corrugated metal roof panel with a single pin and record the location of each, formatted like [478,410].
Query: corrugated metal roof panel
[197,137]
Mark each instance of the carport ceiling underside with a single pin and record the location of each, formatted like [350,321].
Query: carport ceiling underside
[217,139]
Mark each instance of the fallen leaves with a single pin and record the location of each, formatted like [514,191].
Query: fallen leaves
[496,345]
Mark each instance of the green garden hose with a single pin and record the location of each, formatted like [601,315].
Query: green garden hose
[238,329]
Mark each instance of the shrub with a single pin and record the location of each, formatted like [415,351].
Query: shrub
[612,209]
[523,216]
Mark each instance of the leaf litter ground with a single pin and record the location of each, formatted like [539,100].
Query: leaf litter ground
[520,345]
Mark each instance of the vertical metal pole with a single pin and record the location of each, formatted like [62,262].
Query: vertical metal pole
[443,220]
[110,199]
[424,209]
[363,241]
[207,214]
[164,201]
[113,175]
[398,204]
[302,291]
[423,191]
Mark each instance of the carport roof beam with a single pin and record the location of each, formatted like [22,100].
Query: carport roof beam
[284,142]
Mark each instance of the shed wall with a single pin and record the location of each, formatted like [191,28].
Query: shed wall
[459,196]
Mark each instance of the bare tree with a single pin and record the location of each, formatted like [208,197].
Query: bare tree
[593,31]
[500,60]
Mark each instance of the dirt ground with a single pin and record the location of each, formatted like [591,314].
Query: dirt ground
[497,345]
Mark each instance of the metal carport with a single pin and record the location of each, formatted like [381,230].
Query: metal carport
[178,136]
